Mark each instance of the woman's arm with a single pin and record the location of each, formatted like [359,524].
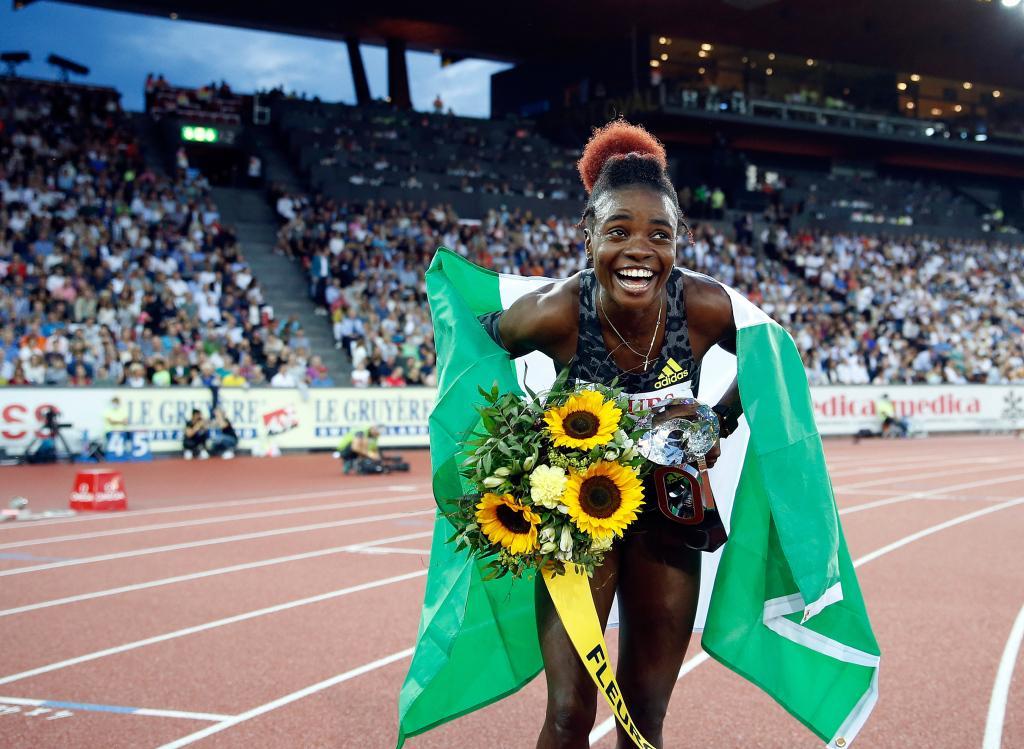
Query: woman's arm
[542,320]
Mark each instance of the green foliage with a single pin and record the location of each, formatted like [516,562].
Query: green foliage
[509,442]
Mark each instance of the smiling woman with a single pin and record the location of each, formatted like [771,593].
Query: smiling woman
[637,319]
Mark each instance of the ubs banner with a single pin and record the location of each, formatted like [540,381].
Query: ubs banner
[318,417]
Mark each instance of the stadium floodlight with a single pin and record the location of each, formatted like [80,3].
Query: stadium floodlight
[199,134]
[13,59]
[66,67]
[1011,3]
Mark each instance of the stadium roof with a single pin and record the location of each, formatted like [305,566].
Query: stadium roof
[975,40]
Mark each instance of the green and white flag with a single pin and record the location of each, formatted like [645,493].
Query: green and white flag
[784,609]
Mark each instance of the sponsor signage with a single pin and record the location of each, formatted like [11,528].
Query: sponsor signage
[318,417]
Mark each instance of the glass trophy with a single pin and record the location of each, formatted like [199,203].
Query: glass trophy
[679,445]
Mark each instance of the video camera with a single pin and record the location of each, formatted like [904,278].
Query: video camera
[51,422]
[44,448]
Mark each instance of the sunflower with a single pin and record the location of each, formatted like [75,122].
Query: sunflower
[508,523]
[604,499]
[585,421]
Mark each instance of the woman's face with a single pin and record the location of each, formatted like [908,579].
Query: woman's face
[633,245]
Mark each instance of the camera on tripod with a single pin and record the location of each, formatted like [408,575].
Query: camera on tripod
[45,448]
[52,424]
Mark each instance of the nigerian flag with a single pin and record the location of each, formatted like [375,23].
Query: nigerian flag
[784,609]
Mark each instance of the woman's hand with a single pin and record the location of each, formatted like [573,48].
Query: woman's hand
[687,409]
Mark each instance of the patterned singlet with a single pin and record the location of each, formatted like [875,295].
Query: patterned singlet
[674,372]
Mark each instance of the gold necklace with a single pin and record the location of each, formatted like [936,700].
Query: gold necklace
[647,356]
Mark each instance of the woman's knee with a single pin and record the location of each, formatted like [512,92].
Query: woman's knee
[649,715]
[569,721]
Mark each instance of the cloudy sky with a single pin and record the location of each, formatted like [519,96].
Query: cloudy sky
[121,48]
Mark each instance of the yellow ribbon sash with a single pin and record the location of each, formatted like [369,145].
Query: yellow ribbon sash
[575,606]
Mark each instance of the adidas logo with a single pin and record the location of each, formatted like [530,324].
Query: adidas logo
[671,373]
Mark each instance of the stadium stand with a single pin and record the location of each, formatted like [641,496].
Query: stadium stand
[474,165]
[214,103]
[862,308]
[114,274]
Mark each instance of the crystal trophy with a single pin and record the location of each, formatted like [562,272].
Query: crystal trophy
[679,446]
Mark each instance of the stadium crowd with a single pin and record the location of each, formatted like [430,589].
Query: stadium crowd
[111,274]
[863,309]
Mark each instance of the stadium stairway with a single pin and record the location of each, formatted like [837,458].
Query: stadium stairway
[277,168]
[285,286]
[150,144]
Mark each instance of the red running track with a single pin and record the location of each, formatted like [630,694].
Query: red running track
[274,602]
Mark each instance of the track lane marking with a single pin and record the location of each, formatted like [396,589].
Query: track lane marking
[927,450]
[928,493]
[92,707]
[897,475]
[945,497]
[391,550]
[606,726]
[211,625]
[217,519]
[360,547]
[1001,688]
[267,499]
[215,541]
[288,698]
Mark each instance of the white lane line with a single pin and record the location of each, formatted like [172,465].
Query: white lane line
[90,707]
[362,547]
[217,519]
[211,625]
[867,460]
[390,550]
[902,478]
[897,476]
[1001,688]
[935,529]
[607,725]
[373,489]
[927,494]
[268,499]
[956,497]
[289,698]
[214,541]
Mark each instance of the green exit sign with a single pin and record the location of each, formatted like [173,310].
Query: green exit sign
[199,134]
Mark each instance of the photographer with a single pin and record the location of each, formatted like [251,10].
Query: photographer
[223,438]
[359,450]
[196,434]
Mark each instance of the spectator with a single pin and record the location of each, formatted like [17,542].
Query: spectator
[317,373]
[161,375]
[283,379]
[396,379]
[361,375]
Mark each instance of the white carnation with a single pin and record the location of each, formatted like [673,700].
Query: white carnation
[547,484]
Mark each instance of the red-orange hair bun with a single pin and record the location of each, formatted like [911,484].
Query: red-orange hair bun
[615,140]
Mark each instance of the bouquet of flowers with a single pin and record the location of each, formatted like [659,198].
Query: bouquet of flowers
[557,479]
